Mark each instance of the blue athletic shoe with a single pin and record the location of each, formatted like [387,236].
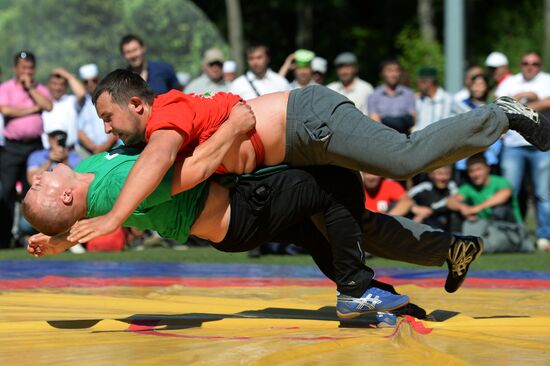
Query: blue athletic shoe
[386,320]
[374,299]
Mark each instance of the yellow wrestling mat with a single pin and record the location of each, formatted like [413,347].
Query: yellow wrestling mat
[273,325]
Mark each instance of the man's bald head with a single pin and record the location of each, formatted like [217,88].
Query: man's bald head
[56,200]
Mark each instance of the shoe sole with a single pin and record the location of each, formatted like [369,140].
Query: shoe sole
[355,315]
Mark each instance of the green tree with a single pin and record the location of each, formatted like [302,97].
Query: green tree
[69,33]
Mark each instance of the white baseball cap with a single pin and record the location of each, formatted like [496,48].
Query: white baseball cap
[229,66]
[88,71]
[319,64]
[496,59]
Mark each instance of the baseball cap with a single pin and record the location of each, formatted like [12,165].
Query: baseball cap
[345,58]
[213,55]
[319,64]
[303,58]
[88,71]
[427,72]
[496,59]
[229,66]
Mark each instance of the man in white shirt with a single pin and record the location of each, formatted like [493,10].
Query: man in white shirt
[260,79]
[65,106]
[433,103]
[529,86]
[349,84]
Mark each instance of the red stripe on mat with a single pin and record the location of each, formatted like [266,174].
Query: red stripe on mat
[58,282]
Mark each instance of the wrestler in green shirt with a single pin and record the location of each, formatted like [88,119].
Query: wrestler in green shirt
[171,216]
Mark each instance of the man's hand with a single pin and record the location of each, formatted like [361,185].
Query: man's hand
[58,154]
[241,118]
[26,81]
[61,72]
[40,245]
[85,230]
[421,213]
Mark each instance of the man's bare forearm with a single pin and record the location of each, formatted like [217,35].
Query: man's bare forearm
[42,101]
[14,112]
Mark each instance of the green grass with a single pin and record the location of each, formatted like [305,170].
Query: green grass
[534,262]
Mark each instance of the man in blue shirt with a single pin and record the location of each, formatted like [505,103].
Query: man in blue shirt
[160,76]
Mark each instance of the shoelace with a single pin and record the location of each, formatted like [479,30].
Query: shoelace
[509,105]
[460,258]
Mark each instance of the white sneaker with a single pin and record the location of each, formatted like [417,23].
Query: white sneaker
[543,244]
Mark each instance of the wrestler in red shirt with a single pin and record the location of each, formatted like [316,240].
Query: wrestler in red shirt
[176,124]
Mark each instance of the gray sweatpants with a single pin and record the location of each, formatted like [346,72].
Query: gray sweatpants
[324,127]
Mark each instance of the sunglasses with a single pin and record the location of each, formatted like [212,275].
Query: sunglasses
[90,81]
[215,63]
[535,64]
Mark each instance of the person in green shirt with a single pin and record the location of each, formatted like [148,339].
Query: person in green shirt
[487,196]
[490,209]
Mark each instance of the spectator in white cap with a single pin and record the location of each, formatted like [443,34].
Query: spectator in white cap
[91,133]
[229,70]
[349,84]
[319,68]
[497,63]
[211,80]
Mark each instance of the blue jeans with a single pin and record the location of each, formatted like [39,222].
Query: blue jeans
[514,163]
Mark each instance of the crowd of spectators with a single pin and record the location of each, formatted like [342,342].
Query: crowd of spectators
[43,125]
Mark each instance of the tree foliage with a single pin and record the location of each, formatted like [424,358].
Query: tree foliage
[69,33]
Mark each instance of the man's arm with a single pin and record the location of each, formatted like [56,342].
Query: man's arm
[14,112]
[91,146]
[540,105]
[500,197]
[40,245]
[402,207]
[76,85]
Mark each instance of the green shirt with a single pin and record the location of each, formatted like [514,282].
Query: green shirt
[171,216]
[476,195]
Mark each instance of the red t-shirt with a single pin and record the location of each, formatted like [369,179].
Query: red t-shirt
[389,192]
[196,117]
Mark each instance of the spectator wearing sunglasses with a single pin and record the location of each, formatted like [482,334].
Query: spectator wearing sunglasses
[212,79]
[530,86]
[22,101]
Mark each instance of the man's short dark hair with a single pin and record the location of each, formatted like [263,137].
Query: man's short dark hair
[24,55]
[476,159]
[257,46]
[388,62]
[130,38]
[123,85]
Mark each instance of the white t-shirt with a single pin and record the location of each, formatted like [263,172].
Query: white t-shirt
[358,92]
[90,123]
[64,117]
[270,83]
[515,84]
